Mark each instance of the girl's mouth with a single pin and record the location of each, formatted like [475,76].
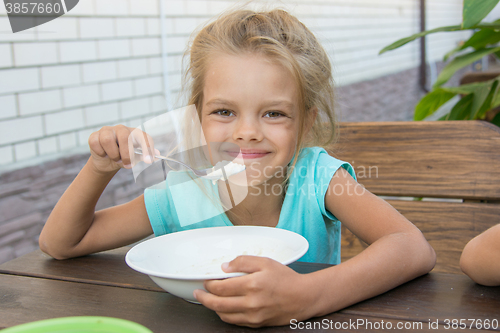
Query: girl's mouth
[248,153]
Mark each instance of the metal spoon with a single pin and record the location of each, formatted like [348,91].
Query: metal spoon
[200,173]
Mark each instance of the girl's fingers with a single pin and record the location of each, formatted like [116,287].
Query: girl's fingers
[122,134]
[221,304]
[95,145]
[108,141]
[142,140]
[235,286]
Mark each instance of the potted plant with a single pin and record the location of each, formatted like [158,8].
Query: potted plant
[479,97]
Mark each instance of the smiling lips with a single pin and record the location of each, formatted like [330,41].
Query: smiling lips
[248,153]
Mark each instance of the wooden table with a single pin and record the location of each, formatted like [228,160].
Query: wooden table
[36,287]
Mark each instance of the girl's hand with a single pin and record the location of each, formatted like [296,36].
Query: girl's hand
[111,148]
[271,294]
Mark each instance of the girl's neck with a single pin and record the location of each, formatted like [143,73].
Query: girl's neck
[261,206]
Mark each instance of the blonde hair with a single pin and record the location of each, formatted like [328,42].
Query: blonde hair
[283,38]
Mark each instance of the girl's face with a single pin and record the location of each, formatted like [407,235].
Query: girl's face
[250,107]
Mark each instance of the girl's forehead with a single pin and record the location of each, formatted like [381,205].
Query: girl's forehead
[248,73]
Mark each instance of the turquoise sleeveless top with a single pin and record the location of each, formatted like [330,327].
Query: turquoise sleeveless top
[179,204]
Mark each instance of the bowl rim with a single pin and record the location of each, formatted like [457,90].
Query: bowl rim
[197,277]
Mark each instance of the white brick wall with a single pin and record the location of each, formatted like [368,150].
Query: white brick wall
[5,55]
[8,107]
[60,76]
[39,102]
[81,95]
[101,64]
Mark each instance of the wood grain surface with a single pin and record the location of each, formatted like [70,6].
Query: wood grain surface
[448,226]
[452,160]
[434,297]
[448,159]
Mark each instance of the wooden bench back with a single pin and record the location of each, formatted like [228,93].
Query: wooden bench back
[457,160]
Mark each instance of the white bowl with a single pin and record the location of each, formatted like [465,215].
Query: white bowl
[181,261]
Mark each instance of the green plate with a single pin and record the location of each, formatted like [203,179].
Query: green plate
[79,325]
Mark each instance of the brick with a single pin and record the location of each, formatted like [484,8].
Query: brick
[134,108]
[47,146]
[103,114]
[83,137]
[132,68]
[8,106]
[14,207]
[20,223]
[136,122]
[78,51]
[64,121]
[119,48]
[97,27]
[39,102]
[158,104]
[5,56]
[176,44]
[7,155]
[6,254]
[29,54]
[83,8]
[67,141]
[184,25]
[20,129]
[144,7]
[116,90]
[25,150]
[25,247]
[99,71]
[145,46]
[153,27]
[175,7]
[112,7]
[155,65]
[175,81]
[196,7]
[60,76]
[60,29]
[81,95]
[126,27]
[11,238]
[148,86]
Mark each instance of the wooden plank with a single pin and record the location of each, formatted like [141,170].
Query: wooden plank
[448,226]
[429,298]
[107,268]
[435,296]
[452,159]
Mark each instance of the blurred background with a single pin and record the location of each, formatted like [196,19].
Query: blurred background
[110,62]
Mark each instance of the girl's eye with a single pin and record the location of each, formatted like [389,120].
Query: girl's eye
[224,113]
[273,114]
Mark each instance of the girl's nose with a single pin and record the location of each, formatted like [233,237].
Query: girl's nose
[248,129]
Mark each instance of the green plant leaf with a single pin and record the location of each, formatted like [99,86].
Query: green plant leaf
[496,120]
[405,40]
[431,102]
[479,40]
[466,89]
[486,94]
[461,110]
[476,10]
[460,62]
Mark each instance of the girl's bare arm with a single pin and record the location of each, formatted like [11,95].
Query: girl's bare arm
[480,258]
[398,251]
[73,227]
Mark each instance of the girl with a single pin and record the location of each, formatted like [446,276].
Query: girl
[261,81]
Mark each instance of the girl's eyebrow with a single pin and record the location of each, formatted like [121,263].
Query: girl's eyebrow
[284,103]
